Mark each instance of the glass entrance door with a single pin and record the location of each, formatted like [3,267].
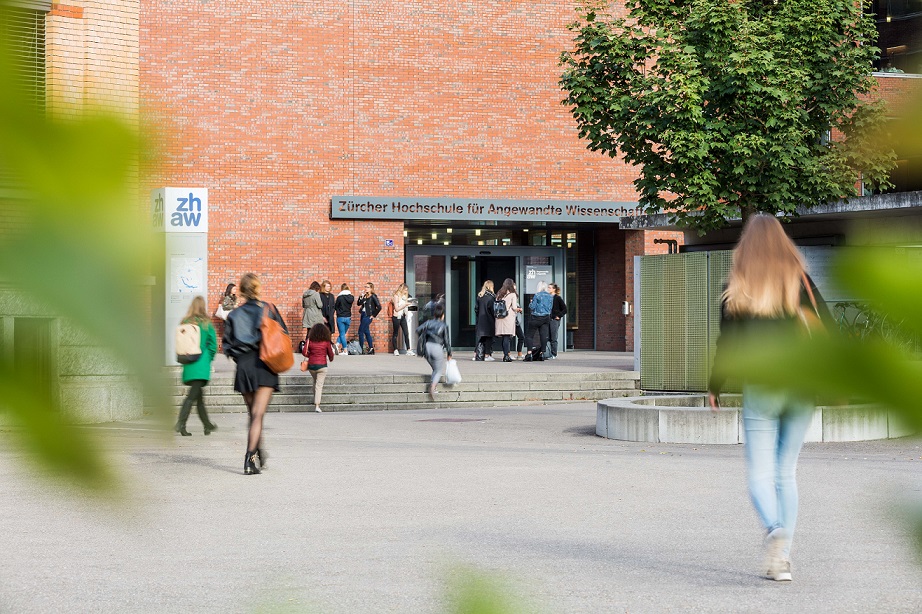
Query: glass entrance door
[459,274]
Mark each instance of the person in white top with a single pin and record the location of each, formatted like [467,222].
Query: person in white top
[399,304]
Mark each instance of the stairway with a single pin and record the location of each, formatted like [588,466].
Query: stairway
[386,391]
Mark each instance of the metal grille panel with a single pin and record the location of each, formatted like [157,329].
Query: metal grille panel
[674,327]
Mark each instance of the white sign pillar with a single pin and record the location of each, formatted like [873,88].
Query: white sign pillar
[181,216]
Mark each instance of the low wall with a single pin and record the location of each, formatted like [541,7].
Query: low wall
[687,419]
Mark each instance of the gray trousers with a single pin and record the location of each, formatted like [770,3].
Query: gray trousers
[435,354]
[555,330]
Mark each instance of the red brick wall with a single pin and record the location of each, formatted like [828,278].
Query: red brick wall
[609,256]
[276,107]
[640,243]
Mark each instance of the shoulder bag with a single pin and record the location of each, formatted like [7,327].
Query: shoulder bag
[275,347]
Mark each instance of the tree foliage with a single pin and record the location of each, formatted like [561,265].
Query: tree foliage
[726,107]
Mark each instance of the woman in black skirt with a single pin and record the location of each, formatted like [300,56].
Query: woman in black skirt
[254,380]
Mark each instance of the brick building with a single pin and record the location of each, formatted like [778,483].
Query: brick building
[283,109]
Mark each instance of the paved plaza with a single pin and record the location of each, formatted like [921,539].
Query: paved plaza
[376,511]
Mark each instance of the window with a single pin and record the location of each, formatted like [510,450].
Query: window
[899,29]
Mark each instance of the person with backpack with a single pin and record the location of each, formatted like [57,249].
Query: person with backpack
[539,322]
[343,307]
[253,378]
[436,339]
[505,308]
[369,308]
[197,374]
[485,322]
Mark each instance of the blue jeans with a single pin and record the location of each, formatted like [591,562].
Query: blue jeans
[776,423]
[365,332]
[343,325]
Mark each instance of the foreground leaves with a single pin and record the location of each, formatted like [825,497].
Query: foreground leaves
[78,250]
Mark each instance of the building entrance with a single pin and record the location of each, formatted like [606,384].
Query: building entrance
[458,273]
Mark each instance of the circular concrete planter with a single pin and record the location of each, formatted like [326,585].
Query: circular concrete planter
[687,419]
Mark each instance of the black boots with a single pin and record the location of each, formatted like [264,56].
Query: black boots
[210,427]
[181,429]
[249,463]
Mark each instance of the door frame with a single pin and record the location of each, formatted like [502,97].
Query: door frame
[518,251]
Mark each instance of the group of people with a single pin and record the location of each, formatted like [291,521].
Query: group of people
[335,312]
[321,307]
[768,292]
[497,315]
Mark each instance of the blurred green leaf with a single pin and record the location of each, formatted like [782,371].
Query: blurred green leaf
[80,250]
[474,592]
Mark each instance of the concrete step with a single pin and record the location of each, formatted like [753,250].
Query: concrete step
[386,392]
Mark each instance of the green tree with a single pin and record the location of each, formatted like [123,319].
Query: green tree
[727,107]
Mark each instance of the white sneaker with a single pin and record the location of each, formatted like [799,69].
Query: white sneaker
[489,359]
[318,410]
[344,353]
[411,353]
[777,566]
[474,358]
[396,352]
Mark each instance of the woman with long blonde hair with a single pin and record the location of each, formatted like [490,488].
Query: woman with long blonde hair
[196,375]
[485,322]
[768,293]
[398,308]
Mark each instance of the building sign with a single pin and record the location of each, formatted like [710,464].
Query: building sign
[179,209]
[480,210]
[535,274]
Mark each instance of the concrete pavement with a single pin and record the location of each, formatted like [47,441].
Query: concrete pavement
[372,512]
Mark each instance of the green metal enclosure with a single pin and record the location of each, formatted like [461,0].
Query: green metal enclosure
[680,318]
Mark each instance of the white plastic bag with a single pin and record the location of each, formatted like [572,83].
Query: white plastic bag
[452,373]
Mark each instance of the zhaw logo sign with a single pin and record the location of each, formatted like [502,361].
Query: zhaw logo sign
[180,209]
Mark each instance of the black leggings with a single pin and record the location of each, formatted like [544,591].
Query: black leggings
[196,388]
[400,324]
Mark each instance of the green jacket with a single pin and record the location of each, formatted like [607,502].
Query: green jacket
[201,368]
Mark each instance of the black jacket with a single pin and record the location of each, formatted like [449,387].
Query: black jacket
[241,331]
[486,316]
[371,305]
[435,331]
[328,310]
[343,305]
[559,308]
[736,330]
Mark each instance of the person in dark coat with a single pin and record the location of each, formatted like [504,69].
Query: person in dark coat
[329,305]
[485,323]
[253,379]
[369,308]
[343,308]
[558,311]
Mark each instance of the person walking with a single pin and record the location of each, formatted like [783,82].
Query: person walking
[328,308]
[505,327]
[485,322]
[438,345]
[318,348]
[400,302]
[313,306]
[768,293]
[558,311]
[343,307]
[369,308]
[197,374]
[253,379]
[539,322]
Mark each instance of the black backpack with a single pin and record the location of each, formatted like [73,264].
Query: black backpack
[499,309]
